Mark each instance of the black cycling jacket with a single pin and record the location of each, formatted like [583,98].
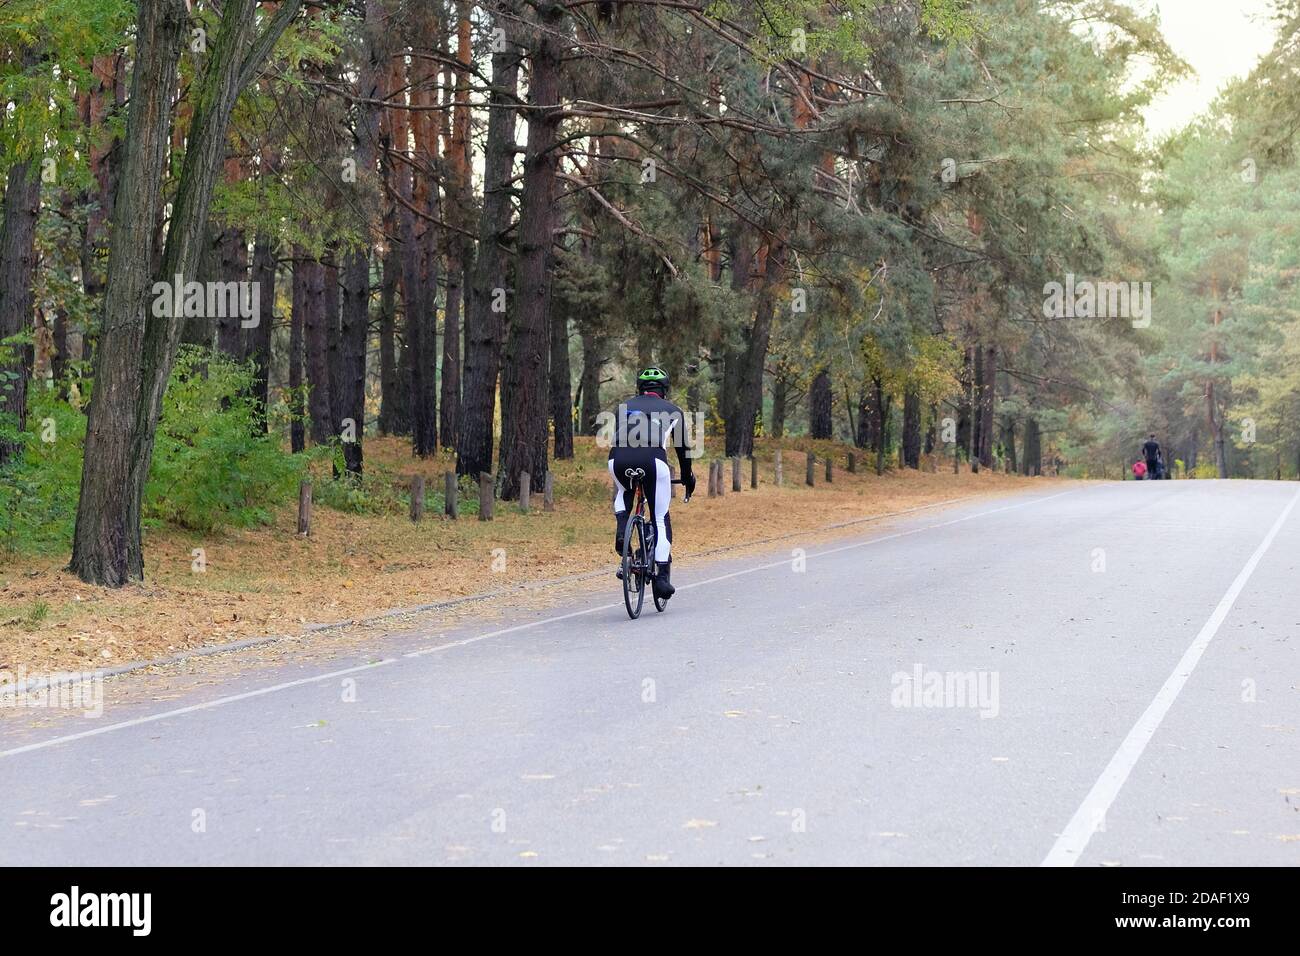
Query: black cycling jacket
[648,421]
[1151,450]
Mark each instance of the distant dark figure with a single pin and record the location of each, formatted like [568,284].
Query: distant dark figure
[1151,453]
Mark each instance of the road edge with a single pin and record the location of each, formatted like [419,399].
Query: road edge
[62,678]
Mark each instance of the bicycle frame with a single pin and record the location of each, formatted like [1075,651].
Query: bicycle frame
[641,567]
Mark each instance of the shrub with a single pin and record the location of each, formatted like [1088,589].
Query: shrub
[209,467]
[38,492]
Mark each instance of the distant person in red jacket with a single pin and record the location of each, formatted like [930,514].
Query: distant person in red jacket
[1139,469]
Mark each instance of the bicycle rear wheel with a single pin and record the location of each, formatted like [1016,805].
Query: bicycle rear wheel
[634,566]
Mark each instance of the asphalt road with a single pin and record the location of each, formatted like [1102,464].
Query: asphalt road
[1107,675]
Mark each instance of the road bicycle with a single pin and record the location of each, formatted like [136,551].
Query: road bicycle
[638,551]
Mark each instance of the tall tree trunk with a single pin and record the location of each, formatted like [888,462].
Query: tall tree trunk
[449,386]
[989,368]
[877,413]
[334,338]
[1009,444]
[425,80]
[965,418]
[259,336]
[232,247]
[483,325]
[59,341]
[820,421]
[232,62]
[391,395]
[234,268]
[22,201]
[780,395]
[351,384]
[912,428]
[523,442]
[301,283]
[592,363]
[1033,460]
[561,387]
[106,547]
[459,187]
[107,95]
[200,330]
[316,340]
[414,305]
[354,333]
[420,254]
[394,416]
[884,406]
[1213,413]
[749,393]
[742,259]
[866,421]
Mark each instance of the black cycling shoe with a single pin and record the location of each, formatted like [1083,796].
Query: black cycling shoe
[662,586]
[618,572]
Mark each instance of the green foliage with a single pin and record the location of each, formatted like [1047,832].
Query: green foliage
[36,612]
[50,45]
[372,495]
[209,468]
[38,491]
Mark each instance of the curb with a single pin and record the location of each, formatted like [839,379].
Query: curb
[56,680]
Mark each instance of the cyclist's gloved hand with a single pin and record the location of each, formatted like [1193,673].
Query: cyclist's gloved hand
[688,481]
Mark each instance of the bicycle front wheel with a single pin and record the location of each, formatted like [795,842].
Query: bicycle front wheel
[634,556]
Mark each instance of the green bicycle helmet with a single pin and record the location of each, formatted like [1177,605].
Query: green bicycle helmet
[652,379]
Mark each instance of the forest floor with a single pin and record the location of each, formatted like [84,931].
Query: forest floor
[269,581]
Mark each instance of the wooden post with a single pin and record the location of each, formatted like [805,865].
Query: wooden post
[811,477]
[486,481]
[780,474]
[713,490]
[548,492]
[722,487]
[753,472]
[451,508]
[417,497]
[735,473]
[525,490]
[853,463]
[830,476]
[304,508]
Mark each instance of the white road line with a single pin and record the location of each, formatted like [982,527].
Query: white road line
[1070,845]
[208,705]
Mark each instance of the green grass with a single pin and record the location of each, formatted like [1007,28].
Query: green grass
[34,615]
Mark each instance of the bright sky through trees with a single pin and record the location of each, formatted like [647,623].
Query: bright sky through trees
[1220,40]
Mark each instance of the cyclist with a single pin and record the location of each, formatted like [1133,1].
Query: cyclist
[645,425]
